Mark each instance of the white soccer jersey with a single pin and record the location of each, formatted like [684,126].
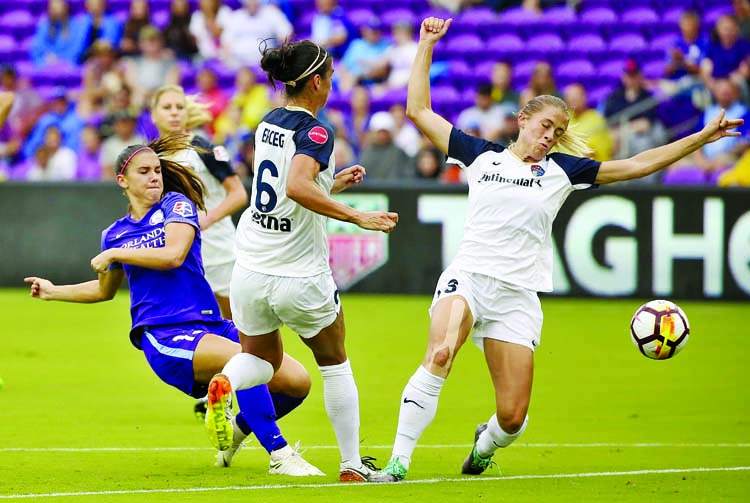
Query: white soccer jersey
[512,204]
[213,168]
[277,236]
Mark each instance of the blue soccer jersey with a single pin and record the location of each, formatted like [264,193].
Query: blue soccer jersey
[168,297]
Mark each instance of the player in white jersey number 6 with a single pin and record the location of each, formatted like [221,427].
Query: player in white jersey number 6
[505,256]
[282,273]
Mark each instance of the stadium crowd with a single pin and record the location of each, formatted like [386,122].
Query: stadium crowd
[637,75]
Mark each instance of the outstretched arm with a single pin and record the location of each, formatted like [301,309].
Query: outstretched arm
[418,101]
[97,290]
[653,160]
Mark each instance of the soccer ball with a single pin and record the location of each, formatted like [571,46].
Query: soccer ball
[659,329]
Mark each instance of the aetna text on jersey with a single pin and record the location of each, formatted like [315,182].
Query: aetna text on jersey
[272,223]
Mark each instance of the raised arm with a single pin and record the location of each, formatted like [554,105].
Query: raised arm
[418,101]
[178,240]
[653,160]
[97,290]
[302,189]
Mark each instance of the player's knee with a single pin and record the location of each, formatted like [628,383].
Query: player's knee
[441,357]
[511,421]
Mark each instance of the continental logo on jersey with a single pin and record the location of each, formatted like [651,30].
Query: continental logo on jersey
[318,134]
[271,223]
[184,209]
[537,170]
[523,182]
[221,154]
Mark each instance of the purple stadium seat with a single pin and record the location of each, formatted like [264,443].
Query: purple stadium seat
[688,175]
[387,100]
[641,17]
[612,69]
[627,44]
[589,45]
[505,47]
[7,45]
[393,16]
[160,19]
[709,17]
[545,45]
[476,17]
[360,16]
[655,69]
[56,74]
[18,23]
[520,21]
[598,16]
[663,42]
[522,71]
[599,94]
[466,45]
[580,70]
[483,70]
[672,15]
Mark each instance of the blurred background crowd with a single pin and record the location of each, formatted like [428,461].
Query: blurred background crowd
[636,74]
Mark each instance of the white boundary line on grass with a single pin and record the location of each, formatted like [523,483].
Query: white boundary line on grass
[434,446]
[410,482]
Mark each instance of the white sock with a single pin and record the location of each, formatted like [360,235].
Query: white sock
[342,405]
[282,453]
[494,437]
[418,407]
[245,371]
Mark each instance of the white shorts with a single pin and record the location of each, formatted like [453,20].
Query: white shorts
[501,311]
[262,303]
[219,276]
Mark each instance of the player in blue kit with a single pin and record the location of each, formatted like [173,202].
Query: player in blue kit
[176,320]
[505,256]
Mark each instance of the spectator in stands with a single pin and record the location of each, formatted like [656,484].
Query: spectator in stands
[407,137]
[210,94]
[542,81]
[728,56]
[501,79]
[250,25]
[588,122]
[689,49]
[713,158]
[251,101]
[177,36]
[383,158]
[55,37]
[61,114]
[124,125]
[207,24]
[114,102]
[331,28]
[87,164]
[243,166]
[26,109]
[102,75]
[741,16]
[631,112]
[94,24]
[488,115]
[55,161]
[153,68]
[430,163]
[738,175]
[399,57]
[138,18]
[359,118]
[362,61]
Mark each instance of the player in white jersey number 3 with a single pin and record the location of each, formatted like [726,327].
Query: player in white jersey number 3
[505,256]
[282,275]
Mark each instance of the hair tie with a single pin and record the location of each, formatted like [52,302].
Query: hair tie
[310,69]
[136,151]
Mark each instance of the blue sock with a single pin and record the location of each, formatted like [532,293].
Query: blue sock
[257,414]
[284,404]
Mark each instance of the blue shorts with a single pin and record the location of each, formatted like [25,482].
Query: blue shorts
[169,351]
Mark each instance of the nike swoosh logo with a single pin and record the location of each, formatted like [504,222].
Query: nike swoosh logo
[117,236]
[496,163]
[406,400]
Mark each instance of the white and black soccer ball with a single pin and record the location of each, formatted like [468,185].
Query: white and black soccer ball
[659,329]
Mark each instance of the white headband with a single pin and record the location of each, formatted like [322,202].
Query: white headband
[310,69]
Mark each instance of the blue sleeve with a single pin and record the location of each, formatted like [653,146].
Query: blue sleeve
[316,140]
[467,148]
[216,159]
[178,208]
[112,30]
[40,44]
[579,169]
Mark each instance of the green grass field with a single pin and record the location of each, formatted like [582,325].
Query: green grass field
[82,418]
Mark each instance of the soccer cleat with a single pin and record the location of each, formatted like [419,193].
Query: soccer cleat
[199,409]
[288,461]
[475,464]
[395,470]
[219,412]
[224,458]
[368,472]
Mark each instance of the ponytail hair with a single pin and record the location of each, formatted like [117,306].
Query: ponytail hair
[572,141]
[294,64]
[176,177]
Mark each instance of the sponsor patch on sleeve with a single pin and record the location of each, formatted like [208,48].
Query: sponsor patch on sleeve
[184,209]
[221,153]
[318,134]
